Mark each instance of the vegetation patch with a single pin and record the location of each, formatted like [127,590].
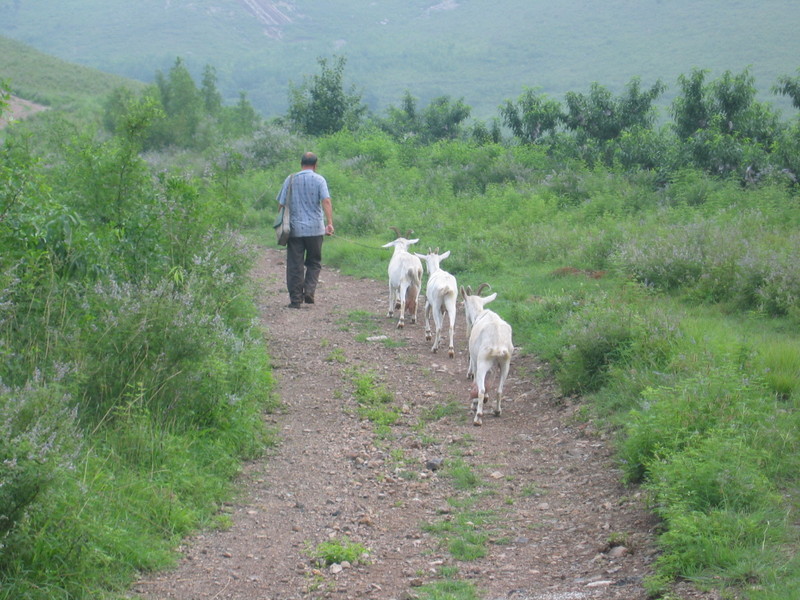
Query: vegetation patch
[338,551]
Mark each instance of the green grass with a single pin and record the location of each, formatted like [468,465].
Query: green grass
[449,589]
[374,400]
[690,360]
[697,380]
[465,534]
[39,77]
[337,551]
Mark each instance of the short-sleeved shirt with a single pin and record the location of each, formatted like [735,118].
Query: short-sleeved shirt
[309,189]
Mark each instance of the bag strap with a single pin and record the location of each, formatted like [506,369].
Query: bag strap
[289,193]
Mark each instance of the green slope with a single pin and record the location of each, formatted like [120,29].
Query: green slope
[36,76]
[484,52]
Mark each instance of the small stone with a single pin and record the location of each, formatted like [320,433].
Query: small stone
[618,552]
[335,568]
[596,584]
[434,464]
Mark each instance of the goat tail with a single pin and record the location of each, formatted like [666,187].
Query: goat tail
[500,353]
[411,299]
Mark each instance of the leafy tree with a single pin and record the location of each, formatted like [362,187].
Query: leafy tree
[442,118]
[212,99]
[786,149]
[600,116]
[722,126]
[532,117]
[183,105]
[4,96]
[403,122]
[789,86]
[321,106]
[691,110]
[241,119]
[727,105]
[487,134]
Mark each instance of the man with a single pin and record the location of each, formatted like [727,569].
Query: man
[311,217]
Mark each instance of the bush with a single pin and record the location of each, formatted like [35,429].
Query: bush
[592,340]
[671,419]
[39,438]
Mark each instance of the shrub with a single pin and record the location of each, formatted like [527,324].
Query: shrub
[671,419]
[591,341]
[702,546]
[718,471]
[39,439]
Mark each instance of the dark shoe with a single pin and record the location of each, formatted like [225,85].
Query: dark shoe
[294,305]
[309,299]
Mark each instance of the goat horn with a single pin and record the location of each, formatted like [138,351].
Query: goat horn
[437,250]
[409,232]
[481,288]
[397,231]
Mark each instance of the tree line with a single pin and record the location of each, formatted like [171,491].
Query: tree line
[717,125]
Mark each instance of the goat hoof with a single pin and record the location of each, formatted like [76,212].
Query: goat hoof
[400,325]
[477,422]
[427,337]
[451,353]
[497,413]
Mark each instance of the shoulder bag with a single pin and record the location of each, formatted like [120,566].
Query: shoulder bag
[282,223]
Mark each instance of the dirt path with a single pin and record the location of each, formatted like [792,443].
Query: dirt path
[560,526]
[19,109]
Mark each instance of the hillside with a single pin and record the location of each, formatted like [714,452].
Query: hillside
[430,48]
[37,76]
[19,109]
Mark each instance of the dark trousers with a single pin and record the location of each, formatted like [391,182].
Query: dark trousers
[303,264]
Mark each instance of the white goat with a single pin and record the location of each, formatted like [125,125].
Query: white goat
[441,293]
[405,279]
[490,346]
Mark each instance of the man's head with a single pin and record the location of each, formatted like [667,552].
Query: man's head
[309,160]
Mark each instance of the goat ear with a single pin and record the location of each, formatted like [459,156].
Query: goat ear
[444,255]
[413,241]
[489,298]
[418,255]
[389,245]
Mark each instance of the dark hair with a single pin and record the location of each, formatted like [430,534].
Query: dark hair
[309,159]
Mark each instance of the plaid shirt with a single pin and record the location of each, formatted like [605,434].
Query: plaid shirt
[309,189]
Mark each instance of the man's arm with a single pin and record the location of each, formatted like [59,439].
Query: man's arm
[327,208]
